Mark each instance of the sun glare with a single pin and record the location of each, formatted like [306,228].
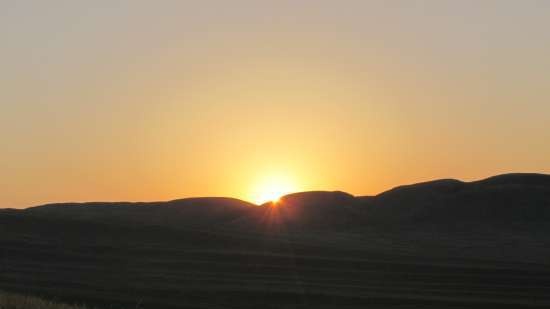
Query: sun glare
[272,189]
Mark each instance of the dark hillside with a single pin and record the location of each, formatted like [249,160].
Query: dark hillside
[439,244]
[513,198]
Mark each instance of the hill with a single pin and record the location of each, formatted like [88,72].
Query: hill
[504,199]
[181,212]
[439,244]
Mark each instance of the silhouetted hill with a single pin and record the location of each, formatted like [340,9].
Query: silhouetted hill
[523,179]
[190,211]
[510,198]
[319,209]
[320,199]
[438,244]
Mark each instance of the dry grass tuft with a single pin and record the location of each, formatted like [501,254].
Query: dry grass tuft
[15,301]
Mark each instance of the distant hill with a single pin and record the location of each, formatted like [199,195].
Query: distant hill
[509,198]
[499,199]
[437,244]
[314,208]
[190,211]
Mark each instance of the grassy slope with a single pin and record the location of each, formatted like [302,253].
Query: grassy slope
[321,257]
[164,268]
[15,301]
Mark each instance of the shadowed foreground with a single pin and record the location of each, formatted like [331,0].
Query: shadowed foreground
[400,249]
[15,301]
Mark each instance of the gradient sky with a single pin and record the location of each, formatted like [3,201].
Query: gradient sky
[155,100]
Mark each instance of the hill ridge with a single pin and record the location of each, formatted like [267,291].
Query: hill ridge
[518,197]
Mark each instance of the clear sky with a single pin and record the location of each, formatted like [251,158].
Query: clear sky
[155,100]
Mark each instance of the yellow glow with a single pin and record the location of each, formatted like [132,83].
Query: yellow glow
[272,188]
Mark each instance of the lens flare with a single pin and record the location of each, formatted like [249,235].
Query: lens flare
[271,189]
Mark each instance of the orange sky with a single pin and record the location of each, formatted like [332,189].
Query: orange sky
[162,100]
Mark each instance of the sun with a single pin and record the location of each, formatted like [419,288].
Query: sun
[271,189]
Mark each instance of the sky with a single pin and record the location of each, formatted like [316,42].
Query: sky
[157,100]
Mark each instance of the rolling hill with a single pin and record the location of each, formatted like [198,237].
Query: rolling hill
[438,244]
[510,198]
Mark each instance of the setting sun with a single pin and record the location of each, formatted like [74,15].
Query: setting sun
[272,189]
[283,154]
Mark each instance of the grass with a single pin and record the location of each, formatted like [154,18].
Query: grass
[16,301]
[126,266]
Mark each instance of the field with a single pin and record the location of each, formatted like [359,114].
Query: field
[15,301]
[443,244]
[155,267]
